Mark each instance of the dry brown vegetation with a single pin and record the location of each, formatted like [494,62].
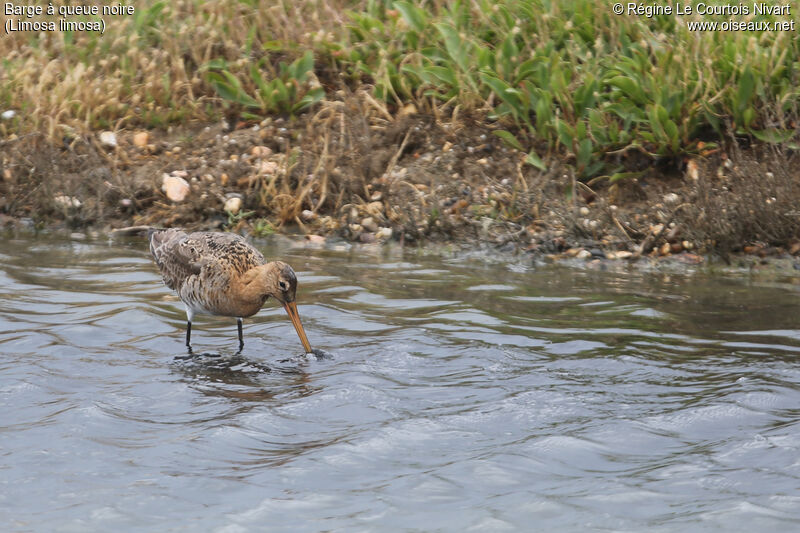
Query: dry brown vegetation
[543,128]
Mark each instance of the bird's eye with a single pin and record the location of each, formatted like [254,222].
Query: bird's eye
[283,285]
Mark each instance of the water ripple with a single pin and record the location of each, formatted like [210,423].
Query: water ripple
[461,396]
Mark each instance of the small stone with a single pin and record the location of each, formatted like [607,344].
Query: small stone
[384,233]
[665,249]
[369,224]
[671,198]
[376,196]
[223,179]
[752,249]
[126,202]
[176,188]
[621,254]
[108,139]
[584,211]
[482,161]
[141,139]
[447,146]
[692,170]
[179,174]
[268,167]
[367,238]
[260,151]
[233,205]
[676,248]
[315,239]
[687,245]
[7,176]
[584,254]
[308,215]
[63,200]
[8,114]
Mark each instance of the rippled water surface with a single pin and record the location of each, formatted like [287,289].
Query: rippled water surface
[462,395]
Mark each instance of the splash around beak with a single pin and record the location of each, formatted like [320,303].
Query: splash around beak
[291,310]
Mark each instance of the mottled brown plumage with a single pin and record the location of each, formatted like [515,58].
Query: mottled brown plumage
[222,274]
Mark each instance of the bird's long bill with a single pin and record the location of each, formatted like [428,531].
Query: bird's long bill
[291,310]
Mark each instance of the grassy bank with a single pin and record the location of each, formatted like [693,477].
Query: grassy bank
[573,92]
[569,76]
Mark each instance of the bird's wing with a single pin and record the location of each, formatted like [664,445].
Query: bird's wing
[176,259]
[217,255]
[221,254]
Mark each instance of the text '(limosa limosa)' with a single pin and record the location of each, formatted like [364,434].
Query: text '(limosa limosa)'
[222,274]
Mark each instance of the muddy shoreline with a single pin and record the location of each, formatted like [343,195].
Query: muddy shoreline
[356,177]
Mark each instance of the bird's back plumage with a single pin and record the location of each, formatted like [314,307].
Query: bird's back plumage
[201,266]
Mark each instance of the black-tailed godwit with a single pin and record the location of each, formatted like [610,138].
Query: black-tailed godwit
[221,274]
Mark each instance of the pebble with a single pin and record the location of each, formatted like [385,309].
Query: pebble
[268,167]
[584,254]
[8,114]
[692,170]
[621,254]
[141,139]
[584,210]
[315,239]
[308,215]
[108,139]
[384,233]
[260,151]
[369,224]
[176,188]
[66,201]
[367,238]
[671,198]
[233,205]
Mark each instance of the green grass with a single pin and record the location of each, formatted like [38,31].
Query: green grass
[556,79]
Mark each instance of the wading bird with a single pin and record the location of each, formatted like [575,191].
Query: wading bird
[221,274]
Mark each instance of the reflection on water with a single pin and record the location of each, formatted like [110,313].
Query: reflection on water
[461,396]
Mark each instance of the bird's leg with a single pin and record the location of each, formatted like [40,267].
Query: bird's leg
[189,317]
[241,338]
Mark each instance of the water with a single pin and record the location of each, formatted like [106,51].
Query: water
[462,396]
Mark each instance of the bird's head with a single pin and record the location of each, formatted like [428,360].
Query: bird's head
[279,281]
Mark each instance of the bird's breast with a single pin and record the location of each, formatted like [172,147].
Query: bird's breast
[207,298]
